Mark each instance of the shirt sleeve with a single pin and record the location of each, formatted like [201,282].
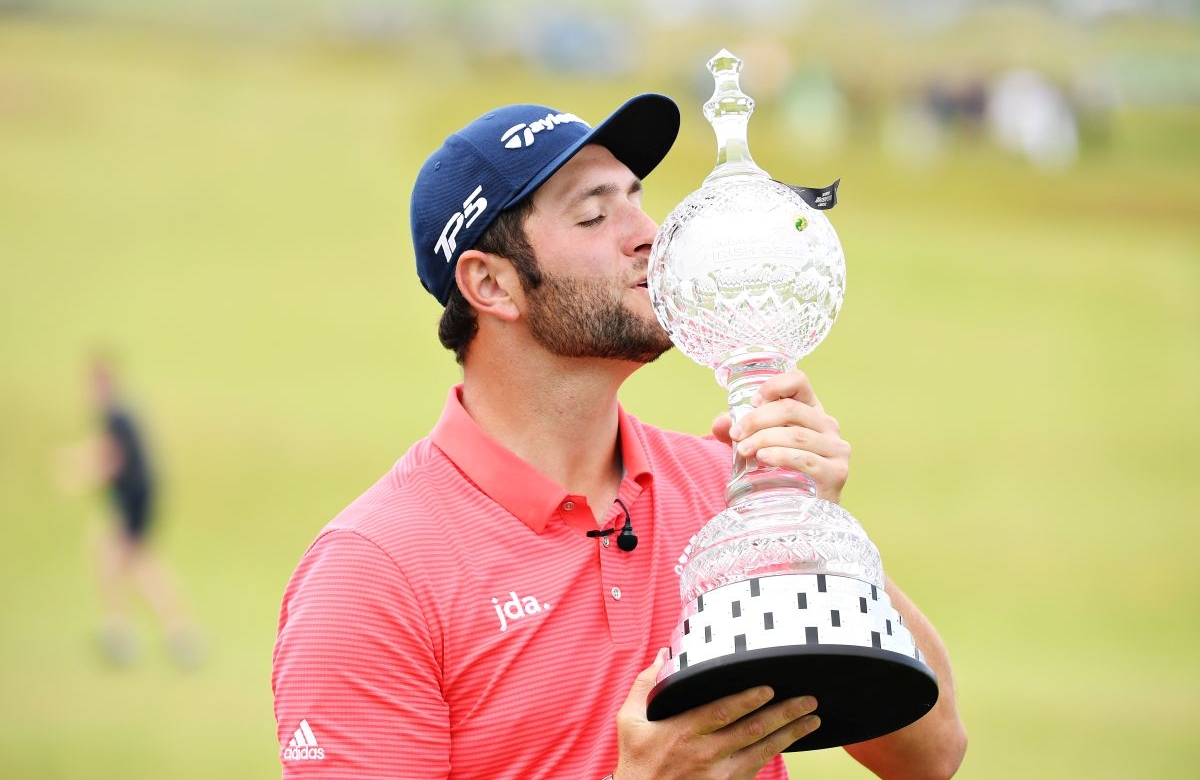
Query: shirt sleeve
[356,673]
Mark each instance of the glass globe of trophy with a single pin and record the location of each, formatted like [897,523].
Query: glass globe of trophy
[781,588]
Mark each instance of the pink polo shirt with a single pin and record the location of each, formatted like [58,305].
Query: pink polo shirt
[455,621]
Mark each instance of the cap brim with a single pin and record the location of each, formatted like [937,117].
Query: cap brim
[639,134]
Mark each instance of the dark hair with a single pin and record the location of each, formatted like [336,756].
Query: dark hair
[504,237]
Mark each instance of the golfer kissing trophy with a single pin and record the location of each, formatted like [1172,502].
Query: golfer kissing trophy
[781,588]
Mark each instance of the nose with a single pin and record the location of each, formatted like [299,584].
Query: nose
[643,229]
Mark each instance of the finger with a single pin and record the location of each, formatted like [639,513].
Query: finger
[755,728]
[721,428]
[804,461]
[825,444]
[644,682]
[790,384]
[712,717]
[829,475]
[757,738]
[758,754]
[784,413]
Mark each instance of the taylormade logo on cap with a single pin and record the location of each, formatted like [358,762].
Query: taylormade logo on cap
[519,136]
[522,135]
[503,156]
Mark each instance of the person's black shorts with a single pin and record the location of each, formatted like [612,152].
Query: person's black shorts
[133,508]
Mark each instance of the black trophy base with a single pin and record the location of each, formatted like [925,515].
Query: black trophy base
[861,692]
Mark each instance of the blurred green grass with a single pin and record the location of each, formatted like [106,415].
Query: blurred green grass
[1016,367]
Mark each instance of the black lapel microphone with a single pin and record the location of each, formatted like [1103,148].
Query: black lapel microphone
[627,539]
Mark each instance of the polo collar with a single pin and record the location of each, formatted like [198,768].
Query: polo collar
[522,490]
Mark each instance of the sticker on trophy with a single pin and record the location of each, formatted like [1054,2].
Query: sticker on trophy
[823,198]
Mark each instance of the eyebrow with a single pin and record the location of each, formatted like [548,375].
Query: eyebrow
[603,190]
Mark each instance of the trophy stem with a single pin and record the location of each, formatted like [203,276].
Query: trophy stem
[743,374]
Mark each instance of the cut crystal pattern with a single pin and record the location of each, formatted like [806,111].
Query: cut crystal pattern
[778,533]
[730,270]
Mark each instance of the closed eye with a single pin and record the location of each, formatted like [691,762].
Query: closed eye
[593,221]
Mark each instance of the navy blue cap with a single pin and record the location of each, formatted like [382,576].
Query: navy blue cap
[505,155]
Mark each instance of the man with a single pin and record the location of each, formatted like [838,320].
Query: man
[117,459]
[470,615]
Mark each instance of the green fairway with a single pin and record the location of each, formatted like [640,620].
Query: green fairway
[1017,366]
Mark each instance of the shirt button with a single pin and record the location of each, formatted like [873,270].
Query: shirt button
[604,541]
[568,506]
[616,593]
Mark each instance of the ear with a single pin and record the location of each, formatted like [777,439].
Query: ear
[489,283]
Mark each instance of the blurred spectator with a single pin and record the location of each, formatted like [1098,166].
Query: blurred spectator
[116,459]
[947,108]
[958,103]
[1030,116]
[1096,97]
[565,39]
[816,110]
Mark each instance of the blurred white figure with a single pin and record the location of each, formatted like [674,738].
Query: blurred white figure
[1030,116]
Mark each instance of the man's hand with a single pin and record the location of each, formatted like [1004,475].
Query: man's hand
[730,739]
[84,466]
[789,428]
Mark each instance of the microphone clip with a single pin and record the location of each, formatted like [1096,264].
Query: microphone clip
[627,539]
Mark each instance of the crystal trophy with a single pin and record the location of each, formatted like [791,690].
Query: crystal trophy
[781,588]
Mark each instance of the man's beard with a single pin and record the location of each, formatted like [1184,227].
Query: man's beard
[580,317]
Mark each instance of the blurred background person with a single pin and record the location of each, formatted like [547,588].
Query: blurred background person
[116,458]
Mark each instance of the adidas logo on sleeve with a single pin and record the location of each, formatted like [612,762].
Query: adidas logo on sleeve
[303,746]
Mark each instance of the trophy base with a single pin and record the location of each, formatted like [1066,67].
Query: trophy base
[861,692]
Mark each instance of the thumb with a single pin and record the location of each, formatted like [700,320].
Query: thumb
[644,682]
[721,426]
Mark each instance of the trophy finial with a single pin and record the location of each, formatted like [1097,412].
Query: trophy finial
[728,111]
